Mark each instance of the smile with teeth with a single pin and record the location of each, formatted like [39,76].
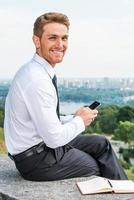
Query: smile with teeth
[57,52]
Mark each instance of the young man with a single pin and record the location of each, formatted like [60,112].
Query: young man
[43,145]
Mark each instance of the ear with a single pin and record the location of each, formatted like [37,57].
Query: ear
[36,41]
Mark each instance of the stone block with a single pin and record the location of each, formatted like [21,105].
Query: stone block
[14,187]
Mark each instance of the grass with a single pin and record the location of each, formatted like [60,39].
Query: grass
[130,174]
[1,134]
[2,143]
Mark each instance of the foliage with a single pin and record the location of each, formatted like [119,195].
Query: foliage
[124,164]
[126,155]
[1,117]
[125,132]
[88,130]
[1,134]
[105,122]
[130,173]
[132,169]
[2,143]
[108,119]
[126,113]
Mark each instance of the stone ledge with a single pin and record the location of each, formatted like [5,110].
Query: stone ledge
[14,187]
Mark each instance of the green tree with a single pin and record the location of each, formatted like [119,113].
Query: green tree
[125,131]
[93,128]
[96,127]
[88,130]
[108,119]
[126,113]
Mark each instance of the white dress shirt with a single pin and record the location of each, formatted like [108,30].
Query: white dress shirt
[30,110]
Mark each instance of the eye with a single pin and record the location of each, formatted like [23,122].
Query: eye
[52,38]
[65,38]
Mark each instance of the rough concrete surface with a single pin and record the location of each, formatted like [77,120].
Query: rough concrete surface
[14,187]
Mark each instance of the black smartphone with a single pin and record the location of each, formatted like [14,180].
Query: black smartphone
[94,105]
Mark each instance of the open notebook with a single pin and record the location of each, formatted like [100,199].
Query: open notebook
[103,185]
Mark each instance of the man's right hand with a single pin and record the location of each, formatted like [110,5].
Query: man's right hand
[87,115]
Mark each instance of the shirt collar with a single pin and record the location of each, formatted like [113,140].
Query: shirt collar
[48,68]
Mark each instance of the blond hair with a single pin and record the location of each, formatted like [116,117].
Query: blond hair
[49,18]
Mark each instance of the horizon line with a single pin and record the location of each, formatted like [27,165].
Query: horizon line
[93,77]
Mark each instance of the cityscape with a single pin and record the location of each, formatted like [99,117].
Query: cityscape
[105,83]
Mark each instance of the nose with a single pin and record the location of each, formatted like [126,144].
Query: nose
[59,43]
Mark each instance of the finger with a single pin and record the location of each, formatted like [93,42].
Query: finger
[95,111]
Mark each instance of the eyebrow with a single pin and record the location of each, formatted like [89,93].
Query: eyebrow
[54,35]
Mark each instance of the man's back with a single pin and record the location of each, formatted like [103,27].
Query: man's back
[20,132]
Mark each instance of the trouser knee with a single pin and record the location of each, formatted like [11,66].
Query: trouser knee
[103,145]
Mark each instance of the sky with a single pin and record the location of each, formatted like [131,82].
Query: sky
[101,36]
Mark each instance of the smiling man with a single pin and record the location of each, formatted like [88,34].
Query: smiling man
[43,145]
[52,44]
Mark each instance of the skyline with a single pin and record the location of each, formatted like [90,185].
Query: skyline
[101,41]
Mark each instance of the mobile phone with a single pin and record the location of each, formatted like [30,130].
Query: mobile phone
[94,105]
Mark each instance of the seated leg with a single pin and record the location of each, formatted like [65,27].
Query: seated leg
[101,150]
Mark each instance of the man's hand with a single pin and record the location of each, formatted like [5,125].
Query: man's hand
[87,115]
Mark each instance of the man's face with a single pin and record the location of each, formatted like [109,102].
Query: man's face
[53,43]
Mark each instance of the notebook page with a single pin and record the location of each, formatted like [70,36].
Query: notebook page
[95,185]
[122,185]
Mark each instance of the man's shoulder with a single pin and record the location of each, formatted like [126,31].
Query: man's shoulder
[30,73]
[30,70]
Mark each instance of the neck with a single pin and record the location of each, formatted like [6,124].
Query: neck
[52,65]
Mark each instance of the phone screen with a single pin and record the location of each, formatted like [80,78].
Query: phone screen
[94,105]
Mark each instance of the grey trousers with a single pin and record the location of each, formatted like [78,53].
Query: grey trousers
[86,155]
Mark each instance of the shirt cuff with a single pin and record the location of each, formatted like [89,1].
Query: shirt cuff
[80,124]
[65,119]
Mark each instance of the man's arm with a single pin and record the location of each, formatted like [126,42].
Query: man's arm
[41,103]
